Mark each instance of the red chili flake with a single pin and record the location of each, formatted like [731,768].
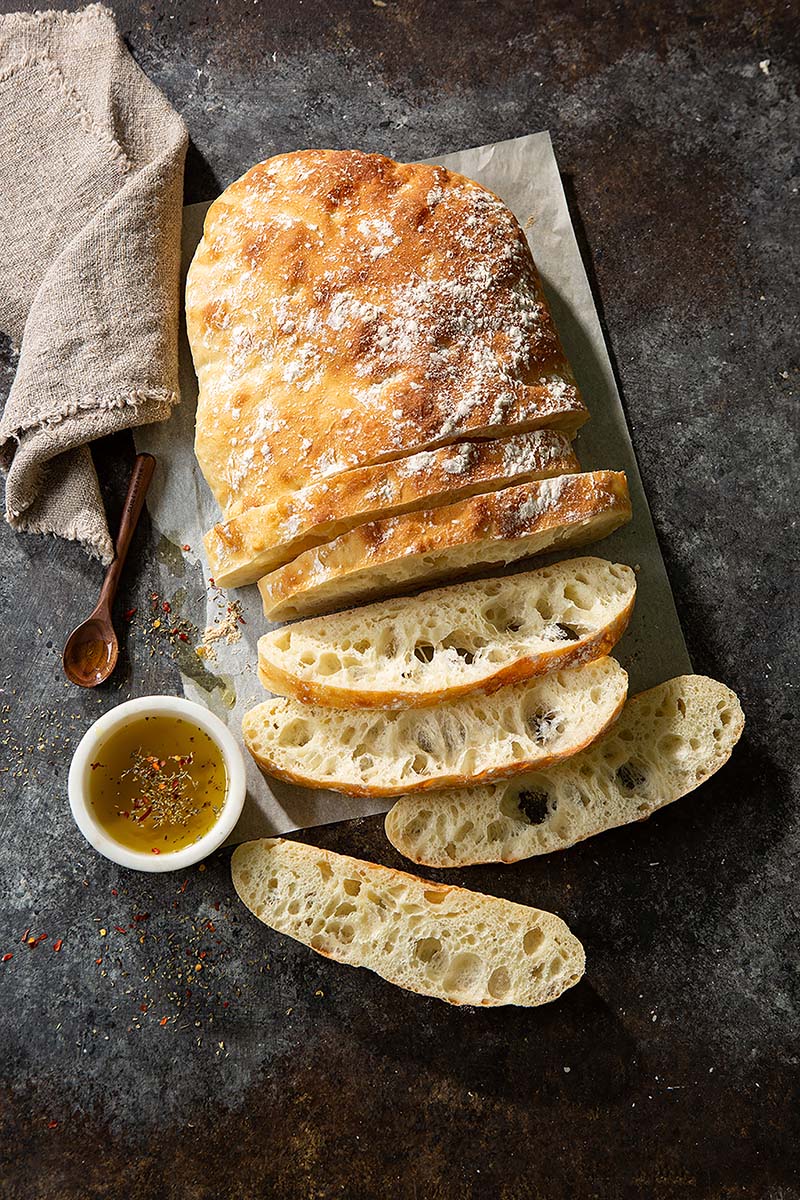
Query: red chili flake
[7,957]
[216,906]
[98,961]
[155,850]
[211,581]
[211,927]
[186,547]
[114,892]
[225,1003]
[95,765]
[166,606]
[58,944]
[33,942]
[163,1021]
[129,614]
[142,1008]
[184,637]
[154,595]
[52,1124]
[202,954]
[120,929]
[140,916]
[24,937]
[188,993]
[182,888]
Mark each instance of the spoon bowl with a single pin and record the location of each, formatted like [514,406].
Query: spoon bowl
[92,649]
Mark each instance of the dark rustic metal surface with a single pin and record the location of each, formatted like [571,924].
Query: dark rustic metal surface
[671,1071]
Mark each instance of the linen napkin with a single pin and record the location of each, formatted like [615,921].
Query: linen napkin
[91,163]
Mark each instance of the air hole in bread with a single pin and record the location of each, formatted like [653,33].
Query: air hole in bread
[495,831]
[296,733]
[681,706]
[533,940]
[499,983]
[351,886]
[671,746]
[631,775]
[542,725]
[419,764]
[726,716]
[307,658]
[544,608]
[293,907]
[464,972]
[321,943]
[344,909]
[423,651]
[346,934]
[579,595]
[532,805]
[426,948]
[435,897]
[559,632]
[328,663]
[273,883]
[500,619]
[324,869]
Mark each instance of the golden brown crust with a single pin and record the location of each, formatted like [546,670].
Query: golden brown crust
[570,510]
[345,309]
[263,538]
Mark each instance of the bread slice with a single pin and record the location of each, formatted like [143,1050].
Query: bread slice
[476,738]
[419,548]
[447,942]
[263,538]
[419,651]
[344,309]
[666,743]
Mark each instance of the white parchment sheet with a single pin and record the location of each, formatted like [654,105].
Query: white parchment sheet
[524,173]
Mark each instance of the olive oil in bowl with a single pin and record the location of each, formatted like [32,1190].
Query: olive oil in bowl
[157,783]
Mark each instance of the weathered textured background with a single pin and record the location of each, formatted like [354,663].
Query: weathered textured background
[671,1071]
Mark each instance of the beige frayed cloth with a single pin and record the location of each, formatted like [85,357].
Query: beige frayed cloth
[91,163]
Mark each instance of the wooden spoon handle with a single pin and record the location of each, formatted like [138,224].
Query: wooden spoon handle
[143,468]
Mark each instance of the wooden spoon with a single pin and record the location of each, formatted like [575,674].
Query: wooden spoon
[92,649]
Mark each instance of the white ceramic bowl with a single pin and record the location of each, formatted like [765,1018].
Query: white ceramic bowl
[173,860]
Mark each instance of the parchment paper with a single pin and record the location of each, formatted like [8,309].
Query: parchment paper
[524,173]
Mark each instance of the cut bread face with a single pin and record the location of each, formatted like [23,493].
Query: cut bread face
[420,548]
[476,738]
[262,539]
[418,651]
[666,742]
[446,942]
[344,309]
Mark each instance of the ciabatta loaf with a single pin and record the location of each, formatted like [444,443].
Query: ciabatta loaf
[419,548]
[476,738]
[446,942]
[261,539]
[418,651]
[665,743]
[345,309]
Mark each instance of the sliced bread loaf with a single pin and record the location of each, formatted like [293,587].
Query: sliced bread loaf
[476,738]
[263,538]
[418,548]
[418,651]
[665,743]
[447,942]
